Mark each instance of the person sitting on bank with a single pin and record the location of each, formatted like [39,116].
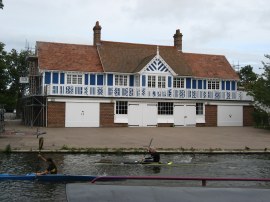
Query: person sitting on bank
[154,156]
[51,169]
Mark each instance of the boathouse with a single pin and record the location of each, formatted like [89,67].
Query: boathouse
[110,84]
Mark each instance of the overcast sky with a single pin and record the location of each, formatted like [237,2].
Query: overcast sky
[238,29]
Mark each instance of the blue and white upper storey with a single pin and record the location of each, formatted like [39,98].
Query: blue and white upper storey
[126,70]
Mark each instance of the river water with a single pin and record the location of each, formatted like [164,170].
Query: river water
[184,165]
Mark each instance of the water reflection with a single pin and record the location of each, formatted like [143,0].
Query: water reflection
[239,166]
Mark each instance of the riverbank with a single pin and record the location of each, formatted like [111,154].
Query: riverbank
[134,140]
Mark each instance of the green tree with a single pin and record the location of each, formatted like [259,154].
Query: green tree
[16,68]
[247,77]
[3,75]
[1,4]
[261,88]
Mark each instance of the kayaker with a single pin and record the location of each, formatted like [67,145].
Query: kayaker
[51,169]
[154,156]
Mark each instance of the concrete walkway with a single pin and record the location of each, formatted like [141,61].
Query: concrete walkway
[20,137]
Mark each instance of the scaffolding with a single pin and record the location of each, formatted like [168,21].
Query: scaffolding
[34,103]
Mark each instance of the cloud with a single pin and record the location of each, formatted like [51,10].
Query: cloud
[239,29]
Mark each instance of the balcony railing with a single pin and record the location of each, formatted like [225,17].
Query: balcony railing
[143,92]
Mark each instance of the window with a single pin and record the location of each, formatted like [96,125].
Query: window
[151,81]
[199,108]
[214,85]
[137,81]
[165,108]
[74,79]
[121,107]
[120,80]
[178,82]
[161,81]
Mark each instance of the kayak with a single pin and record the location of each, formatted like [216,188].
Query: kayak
[110,162]
[48,178]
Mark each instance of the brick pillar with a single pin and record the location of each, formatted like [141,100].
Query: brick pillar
[97,34]
[178,40]
[247,115]
[211,115]
[56,114]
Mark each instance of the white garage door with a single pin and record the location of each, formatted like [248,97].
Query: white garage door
[230,116]
[81,114]
[184,115]
[142,115]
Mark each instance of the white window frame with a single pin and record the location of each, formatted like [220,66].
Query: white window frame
[151,81]
[121,107]
[213,85]
[161,82]
[120,80]
[199,108]
[178,82]
[165,108]
[73,78]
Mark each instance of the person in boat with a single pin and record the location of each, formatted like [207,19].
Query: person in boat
[51,169]
[154,156]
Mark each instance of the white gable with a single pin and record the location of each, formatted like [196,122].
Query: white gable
[158,65]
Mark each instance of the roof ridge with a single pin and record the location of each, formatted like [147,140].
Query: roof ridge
[203,54]
[61,43]
[129,43]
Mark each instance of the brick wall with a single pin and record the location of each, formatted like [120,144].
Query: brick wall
[247,116]
[165,124]
[56,114]
[210,115]
[107,116]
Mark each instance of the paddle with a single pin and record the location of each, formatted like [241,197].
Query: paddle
[147,149]
[40,146]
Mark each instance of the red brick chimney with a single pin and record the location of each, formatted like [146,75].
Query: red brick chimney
[97,34]
[178,40]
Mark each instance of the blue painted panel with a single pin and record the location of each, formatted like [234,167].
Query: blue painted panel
[85,79]
[233,85]
[62,78]
[199,84]
[55,77]
[169,82]
[228,87]
[47,77]
[110,79]
[223,85]
[188,82]
[194,84]
[92,79]
[131,80]
[100,80]
[204,84]
[143,80]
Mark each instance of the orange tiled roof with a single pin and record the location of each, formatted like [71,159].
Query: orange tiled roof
[210,66]
[68,57]
[131,58]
